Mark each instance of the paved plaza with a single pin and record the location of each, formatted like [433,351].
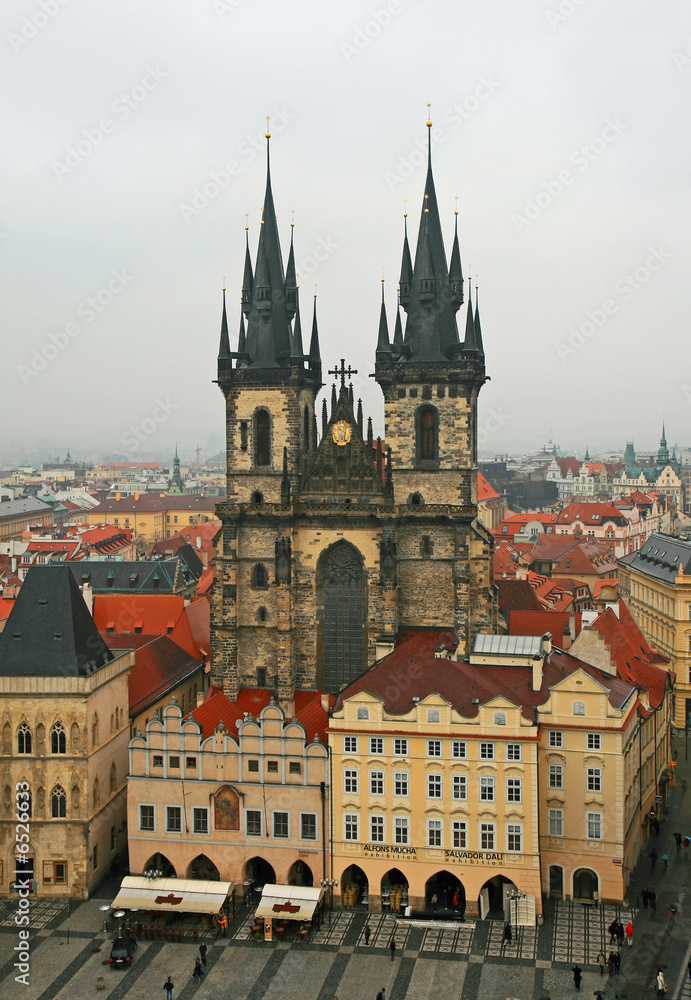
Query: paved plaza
[460,962]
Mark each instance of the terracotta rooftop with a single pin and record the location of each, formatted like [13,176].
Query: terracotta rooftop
[217,707]
[152,614]
[158,667]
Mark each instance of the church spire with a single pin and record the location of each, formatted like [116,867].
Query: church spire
[297,352]
[247,278]
[398,328]
[224,346]
[241,335]
[291,286]
[406,275]
[315,355]
[478,329]
[470,343]
[383,345]
[455,269]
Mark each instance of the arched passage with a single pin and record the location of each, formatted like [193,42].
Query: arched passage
[445,891]
[585,883]
[492,895]
[159,863]
[342,616]
[394,890]
[300,873]
[203,868]
[354,887]
[260,872]
[556,881]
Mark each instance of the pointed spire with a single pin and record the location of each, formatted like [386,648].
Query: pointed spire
[478,329]
[313,442]
[388,479]
[334,400]
[297,351]
[587,454]
[351,397]
[406,275]
[224,346]
[380,463]
[247,278]
[291,285]
[241,335]
[315,355]
[359,416]
[383,345]
[470,343]
[285,481]
[325,417]
[370,438]
[456,281]
[398,329]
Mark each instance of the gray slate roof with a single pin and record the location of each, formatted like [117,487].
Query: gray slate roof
[660,558]
[50,632]
[27,505]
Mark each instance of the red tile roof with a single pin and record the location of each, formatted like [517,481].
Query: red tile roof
[537,623]
[192,630]
[219,708]
[636,662]
[590,513]
[484,490]
[412,670]
[153,614]
[517,595]
[158,668]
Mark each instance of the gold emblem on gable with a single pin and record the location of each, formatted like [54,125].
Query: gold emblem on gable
[341,432]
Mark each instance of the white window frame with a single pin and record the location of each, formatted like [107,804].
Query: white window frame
[555,822]
[435,786]
[401,746]
[380,778]
[259,813]
[401,827]
[514,749]
[593,741]
[459,750]
[459,834]
[351,827]
[350,744]
[399,778]
[147,805]
[487,751]
[168,827]
[203,810]
[274,814]
[488,832]
[594,818]
[315,817]
[554,772]
[593,779]
[487,788]
[459,787]
[514,789]
[435,833]
[376,745]
[434,748]
[556,738]
[351,777]
[514,830]
[377,828]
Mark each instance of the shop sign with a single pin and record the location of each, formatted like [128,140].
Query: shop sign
[390,851]
[474,857]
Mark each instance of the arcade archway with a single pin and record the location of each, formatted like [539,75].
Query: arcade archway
[203,868]
[445,891]
[493,895]
[300,874]
[354,887]
[159,864]
[394,890]
[260,872]
[585,883]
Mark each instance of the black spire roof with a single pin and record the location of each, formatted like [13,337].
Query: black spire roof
[297,351]
[224,346]
[383,345]
[50,632]
[315,355]
[478,328]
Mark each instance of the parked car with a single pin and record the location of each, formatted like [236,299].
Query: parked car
[122,951]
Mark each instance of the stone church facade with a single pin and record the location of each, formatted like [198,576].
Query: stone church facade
[332,543]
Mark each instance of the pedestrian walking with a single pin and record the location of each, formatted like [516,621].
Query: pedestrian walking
[620,934]
[645,896]
[198,972]
[222,921]
[617,963]
[652,896]
[653,859]
[656,823]
[367,934]
[611,962]
[507,932]
[168,987]
[381,995]
[577,976]
[392,948]
[629,934]
[602,962]
[434,901]
[202,952]
[660,984]
[677,841]
[665,860]
[612,930]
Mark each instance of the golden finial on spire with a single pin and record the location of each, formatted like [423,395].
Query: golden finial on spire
[456,211]
[405,208]
[247,223]
[267,134]
[292,221]
[315,289]
[429,120]
[382,275]
[224,282]
[426,208]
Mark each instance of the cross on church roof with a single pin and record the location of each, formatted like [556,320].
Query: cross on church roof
[343,372]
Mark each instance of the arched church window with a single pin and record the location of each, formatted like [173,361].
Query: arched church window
[427,434]
[58,803]
[259,577]
[23,738]
[257,497]
[58,739]
[262,438]
[342,594]
[306,421]
[426,547]
[262,614]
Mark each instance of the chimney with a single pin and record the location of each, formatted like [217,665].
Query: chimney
[537,672]
[88,595]
[136,496]
[117,496]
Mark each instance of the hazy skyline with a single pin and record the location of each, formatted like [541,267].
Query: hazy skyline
[134,147]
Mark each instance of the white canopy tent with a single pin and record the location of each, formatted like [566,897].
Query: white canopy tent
[172,895]
[289,902]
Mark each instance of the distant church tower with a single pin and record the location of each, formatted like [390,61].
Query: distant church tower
[332,542]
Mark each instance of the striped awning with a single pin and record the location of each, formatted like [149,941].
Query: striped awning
[289,902]
[175,895]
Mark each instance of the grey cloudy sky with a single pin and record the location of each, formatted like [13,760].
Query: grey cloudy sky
[562,127]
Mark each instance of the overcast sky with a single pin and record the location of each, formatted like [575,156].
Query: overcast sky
[561,125]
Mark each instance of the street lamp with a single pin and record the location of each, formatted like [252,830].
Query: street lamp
[330,884]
